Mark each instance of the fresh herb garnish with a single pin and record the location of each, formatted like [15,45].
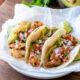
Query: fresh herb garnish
[25,39]
[27,4]
[57,43]
[32,48]
[78,42]
[59,63]
[50,32]
[33,43]
[42,3]
[45,31]
[64,55]
[54,29]
[74,41]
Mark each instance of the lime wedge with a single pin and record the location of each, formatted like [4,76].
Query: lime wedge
[65,25]
[10,28]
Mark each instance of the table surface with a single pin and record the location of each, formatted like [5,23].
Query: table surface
[6,72]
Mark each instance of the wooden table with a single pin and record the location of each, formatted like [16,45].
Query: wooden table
[6,72]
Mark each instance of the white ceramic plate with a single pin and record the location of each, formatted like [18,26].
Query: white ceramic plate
[39,75]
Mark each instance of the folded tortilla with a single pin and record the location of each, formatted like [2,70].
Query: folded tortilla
[23,26]
[17,38]
[35,35]
[50,46]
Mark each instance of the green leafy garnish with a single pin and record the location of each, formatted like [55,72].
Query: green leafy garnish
[58,42]
[42,3]
[32,48]
[78,42]
[46,30]
[53,30]
[74,41]
[25,40]
[47,56]
[28,4]
[64,55]
[59,63]
[33,43]
[50,32]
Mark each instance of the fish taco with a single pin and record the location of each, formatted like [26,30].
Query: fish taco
[59,50]
[18,36]
[35,43]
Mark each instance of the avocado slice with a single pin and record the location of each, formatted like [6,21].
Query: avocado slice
[71,3]
[65,25]
[77,57]
[13,36]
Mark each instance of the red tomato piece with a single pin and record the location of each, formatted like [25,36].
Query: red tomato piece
[27,34]
[61,50]
[74,43]
[70,37]
[30,30]
[36,47]
[65,59]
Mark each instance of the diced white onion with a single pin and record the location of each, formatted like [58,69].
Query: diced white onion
[38,52]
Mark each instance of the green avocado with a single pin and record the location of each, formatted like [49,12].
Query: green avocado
[77,57]
[13,36]
[45,30]
[71,3]
[65,25]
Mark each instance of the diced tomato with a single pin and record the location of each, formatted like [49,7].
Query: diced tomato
[65,59]
[27,34]
[70,37]
[30,30]
[36,47]
[74,43]
[61,50]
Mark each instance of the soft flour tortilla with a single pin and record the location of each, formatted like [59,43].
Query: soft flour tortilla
[50,44]
[23,26]
[35,35]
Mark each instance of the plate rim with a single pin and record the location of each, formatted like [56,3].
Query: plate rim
[36,76]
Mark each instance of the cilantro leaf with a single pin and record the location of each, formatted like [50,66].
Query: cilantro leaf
[28,4]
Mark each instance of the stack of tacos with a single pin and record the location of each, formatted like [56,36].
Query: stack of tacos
[43,46]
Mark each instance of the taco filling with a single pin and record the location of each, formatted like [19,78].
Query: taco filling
[36,47]
[59,54]
[18,46]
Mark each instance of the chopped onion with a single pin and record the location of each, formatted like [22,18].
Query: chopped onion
[16,46]
[30,30]
[71,47]
[38,52]
[25,35]
[16,41]
[58,54]
[21,36]
[69,43]
[56,50]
